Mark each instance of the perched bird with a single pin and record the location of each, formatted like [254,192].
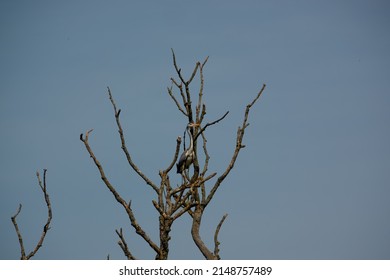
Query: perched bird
[187,157]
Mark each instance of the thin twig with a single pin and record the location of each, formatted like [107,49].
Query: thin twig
[178,142]
[20,238]
[193,73]
[124,148]
[180,87]
[178,70]
[216,242]
[205,167]
[207,156]
[200,95]
[176,102]
[209,124]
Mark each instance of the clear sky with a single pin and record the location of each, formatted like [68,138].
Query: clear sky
[313,181]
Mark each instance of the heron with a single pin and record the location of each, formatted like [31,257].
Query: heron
[187,157]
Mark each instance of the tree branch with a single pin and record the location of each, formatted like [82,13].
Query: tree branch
[200,95]
[126,206]
[207,156]
[178,142]
[20,238]
[176,102]
[124,148]
[216,242]
[178,70]
[209,124]
[193,73]
[46,227]
[122,243]
[180,87]
[239,146]
[195,229]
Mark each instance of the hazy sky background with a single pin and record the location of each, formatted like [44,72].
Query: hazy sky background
[313,181]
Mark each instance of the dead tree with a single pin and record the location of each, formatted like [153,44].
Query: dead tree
[191,196]
[46,227]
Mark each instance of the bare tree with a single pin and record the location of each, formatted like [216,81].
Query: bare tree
[46,227]
[190,196]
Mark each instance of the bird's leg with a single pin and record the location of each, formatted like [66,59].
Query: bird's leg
[185,176]
[187,172]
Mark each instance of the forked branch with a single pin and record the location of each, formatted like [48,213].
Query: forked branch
[122,243]
[46,227]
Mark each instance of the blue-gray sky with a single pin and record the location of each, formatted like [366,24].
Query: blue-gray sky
[313,181]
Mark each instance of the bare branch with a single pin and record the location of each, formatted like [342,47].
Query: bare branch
[209,124]
[240,136]
[216,242]
[193,72]
[49,213]
[176,83]
[101,170]
[195,229]
[183,187]
[176,102]
[200,95]
[178,70]
[193,184]
[180,87]
[124,148]
[185,209]
[207,156]
[13,218]
[197,213]
[158,208]
[178,142]
[126,206]
[46,227]
[122,243]
[187,96]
